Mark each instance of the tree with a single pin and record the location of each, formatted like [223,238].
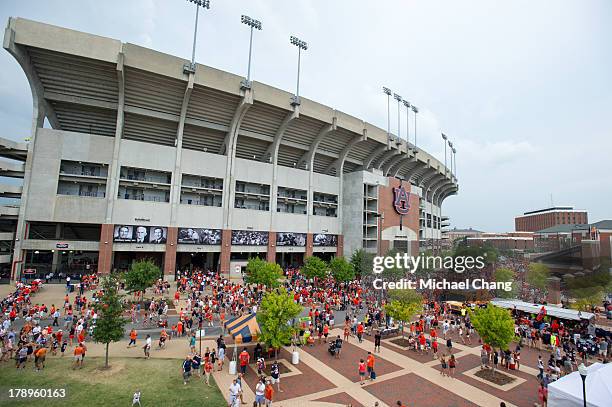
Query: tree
[341,270]
[494,325]
[393,273]
[314,267]
[487,252]
[262,272]
[506,275]
[110,321]
[589,290]
[141,276]
[276,310]
[403,306]
[537,275]
[362,262]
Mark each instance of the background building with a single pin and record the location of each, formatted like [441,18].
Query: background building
[544,218]
[146,160]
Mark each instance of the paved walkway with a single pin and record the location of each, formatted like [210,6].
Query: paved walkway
[345,388]
[413,377]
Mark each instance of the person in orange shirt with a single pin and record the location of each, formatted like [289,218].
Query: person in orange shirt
[78,356]
[179,328]
[269,393]
[360,330]
[370,366]
[81,337]
[244,360]
[208,368]
[39,358]
[133,336]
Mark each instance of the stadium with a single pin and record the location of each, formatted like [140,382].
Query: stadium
[143,159]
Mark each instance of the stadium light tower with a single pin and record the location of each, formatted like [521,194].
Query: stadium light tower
[450,144]
[190,68]
[407,104]
[455,162]
[445,167]
[254,24]
[415,110]
[301,45]
[388,92]
[399,101]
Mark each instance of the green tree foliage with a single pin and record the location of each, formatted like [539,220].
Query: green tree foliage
[506,275]
[362,262]
[276,310]
[110,322]
[537,275]
[259,271]
[494,325]
[489,253]
[590,289]
[341,270]
[314,267]
[141,276]
[393,273]
[403,305]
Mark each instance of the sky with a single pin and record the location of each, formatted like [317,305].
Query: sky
[523,88]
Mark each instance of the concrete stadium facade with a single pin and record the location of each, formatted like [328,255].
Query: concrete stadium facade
[137,148]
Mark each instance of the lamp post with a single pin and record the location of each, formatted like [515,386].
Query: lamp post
[445,167]
[388,92]
[415,110]
[399,100]
[582,369]
[301,45]
[254,24]
[407,104]
[190,67]
[200,331]
[454,162]
[380,217]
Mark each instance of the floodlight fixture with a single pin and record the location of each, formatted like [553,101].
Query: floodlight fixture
[253,24]
[301,45]
[189,68]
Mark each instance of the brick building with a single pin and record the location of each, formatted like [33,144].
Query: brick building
[533,221]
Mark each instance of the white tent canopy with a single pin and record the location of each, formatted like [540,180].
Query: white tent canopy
[557,312]
[567,391]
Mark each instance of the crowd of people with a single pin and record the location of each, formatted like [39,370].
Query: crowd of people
[203,299]
[41,329]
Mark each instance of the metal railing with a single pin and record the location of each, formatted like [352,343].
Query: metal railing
[64,171]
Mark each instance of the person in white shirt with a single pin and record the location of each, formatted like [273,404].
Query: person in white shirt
[259,392]
[235,391]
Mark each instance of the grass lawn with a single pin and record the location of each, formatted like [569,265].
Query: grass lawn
[159,380]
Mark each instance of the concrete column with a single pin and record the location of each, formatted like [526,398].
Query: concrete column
[170,256]
[554,290]
[175,193]
[229,149]
[590,252]
[226,251]
[40,110]
[105,252]
[308,245]
[58,234]
[112,185]
[340,247]
[271,255]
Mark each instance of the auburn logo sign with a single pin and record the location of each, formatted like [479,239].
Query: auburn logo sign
[401,200]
